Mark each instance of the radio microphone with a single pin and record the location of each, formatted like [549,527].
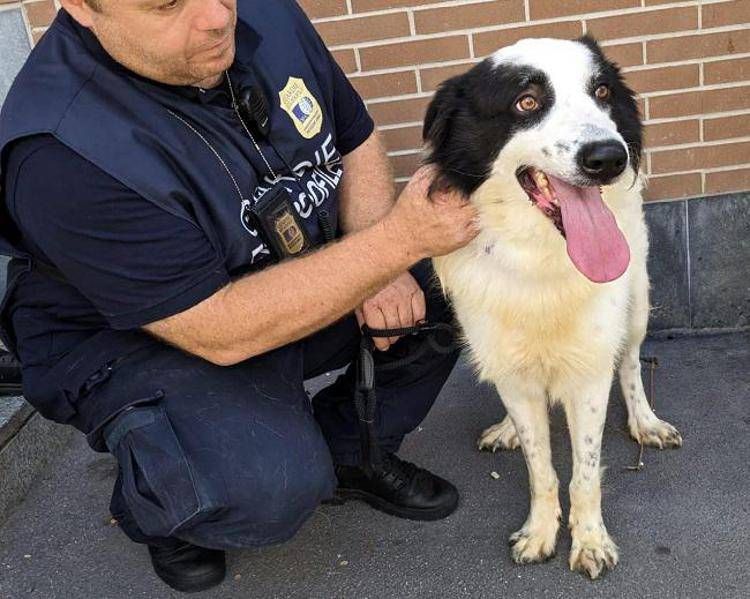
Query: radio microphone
[253,108]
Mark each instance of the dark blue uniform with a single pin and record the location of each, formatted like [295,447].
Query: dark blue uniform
[127,201]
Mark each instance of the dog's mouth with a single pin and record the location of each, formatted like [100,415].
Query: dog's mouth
[595,243]
[537,186]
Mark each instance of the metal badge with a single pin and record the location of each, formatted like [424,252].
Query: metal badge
[289,232]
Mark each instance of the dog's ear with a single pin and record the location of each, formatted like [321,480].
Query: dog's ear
[437,121]
[590,42]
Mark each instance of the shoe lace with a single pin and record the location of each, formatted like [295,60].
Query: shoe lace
[397,471]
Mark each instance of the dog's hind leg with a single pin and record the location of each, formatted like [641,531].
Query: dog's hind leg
[645,427]
[526,404]
[592,549]
[499,436]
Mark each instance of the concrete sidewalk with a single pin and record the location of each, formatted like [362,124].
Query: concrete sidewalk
[682,524]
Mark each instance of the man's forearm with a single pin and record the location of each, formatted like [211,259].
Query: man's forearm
[367,190]
[291,300]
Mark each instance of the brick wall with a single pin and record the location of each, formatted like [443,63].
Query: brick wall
[689,61]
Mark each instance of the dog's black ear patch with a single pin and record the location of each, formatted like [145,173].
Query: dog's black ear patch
[625,112]
[437,121]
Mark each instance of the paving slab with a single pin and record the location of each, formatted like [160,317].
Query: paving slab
[681,523]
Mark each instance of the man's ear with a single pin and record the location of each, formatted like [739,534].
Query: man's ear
[80,11]
[437,121]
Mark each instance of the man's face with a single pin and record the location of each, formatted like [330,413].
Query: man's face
[178,42]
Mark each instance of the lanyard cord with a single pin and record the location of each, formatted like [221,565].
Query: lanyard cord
[213,150]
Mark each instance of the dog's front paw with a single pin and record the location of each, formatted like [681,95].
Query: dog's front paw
[592,552]
[499,436]
[536,541]
[655,433]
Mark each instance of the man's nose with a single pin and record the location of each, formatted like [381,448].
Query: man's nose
[214,14]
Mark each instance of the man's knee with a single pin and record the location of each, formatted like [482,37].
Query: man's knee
[225,490]
[278,494]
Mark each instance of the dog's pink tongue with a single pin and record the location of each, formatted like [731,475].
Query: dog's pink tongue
[596,245]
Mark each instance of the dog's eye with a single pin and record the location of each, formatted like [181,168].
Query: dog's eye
[527,104]
[603,92]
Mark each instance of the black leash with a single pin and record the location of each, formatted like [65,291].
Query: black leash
[440,338]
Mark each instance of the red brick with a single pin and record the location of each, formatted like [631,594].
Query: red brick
[545,9]
[625,55]
[386,84]
[672,133]
[432,77]
[688,159]
[487,42]
[673,187]
[454,47]
[726,13]
[403,138]
[405,165]
[687,47]
[724,71]
[40,13]
[364,29]
[644,23]
[366,5]
[699,102]
[398,111]
[726,127]
[316,9]
[664,78]
[725,181]
[346,60]
[467,16]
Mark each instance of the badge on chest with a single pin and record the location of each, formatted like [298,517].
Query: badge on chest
[279,223]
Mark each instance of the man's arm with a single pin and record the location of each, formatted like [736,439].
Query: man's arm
[366,195]
[293,299]
[367,192]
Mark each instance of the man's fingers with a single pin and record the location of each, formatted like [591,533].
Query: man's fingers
[405,313]
[375,319]
[391,321]
[419,306]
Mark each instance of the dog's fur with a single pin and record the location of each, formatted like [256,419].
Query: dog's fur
[537,328]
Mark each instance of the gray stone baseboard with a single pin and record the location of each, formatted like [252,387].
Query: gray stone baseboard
[28,443]
[699,263]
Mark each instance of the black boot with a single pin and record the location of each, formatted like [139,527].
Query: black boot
[398,488]
[188,568]
[10,374]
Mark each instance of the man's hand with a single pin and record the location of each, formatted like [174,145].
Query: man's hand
[400,304]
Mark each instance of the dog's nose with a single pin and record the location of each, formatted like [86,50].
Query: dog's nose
[603,160]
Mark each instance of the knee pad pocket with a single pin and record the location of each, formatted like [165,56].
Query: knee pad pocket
[158,481]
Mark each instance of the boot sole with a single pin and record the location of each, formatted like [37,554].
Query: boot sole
[11,389]
[341,496]
[197,585]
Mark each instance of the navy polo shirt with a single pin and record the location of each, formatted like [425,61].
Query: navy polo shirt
[122,255]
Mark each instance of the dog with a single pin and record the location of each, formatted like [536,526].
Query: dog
[545,138]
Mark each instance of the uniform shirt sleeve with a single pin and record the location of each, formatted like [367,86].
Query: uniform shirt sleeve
[135,262]
[353,123]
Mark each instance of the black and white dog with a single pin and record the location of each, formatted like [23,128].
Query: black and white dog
[552,295]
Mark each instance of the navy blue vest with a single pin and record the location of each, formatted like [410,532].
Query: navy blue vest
[172,151]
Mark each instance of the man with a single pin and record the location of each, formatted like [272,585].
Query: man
[173,179]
